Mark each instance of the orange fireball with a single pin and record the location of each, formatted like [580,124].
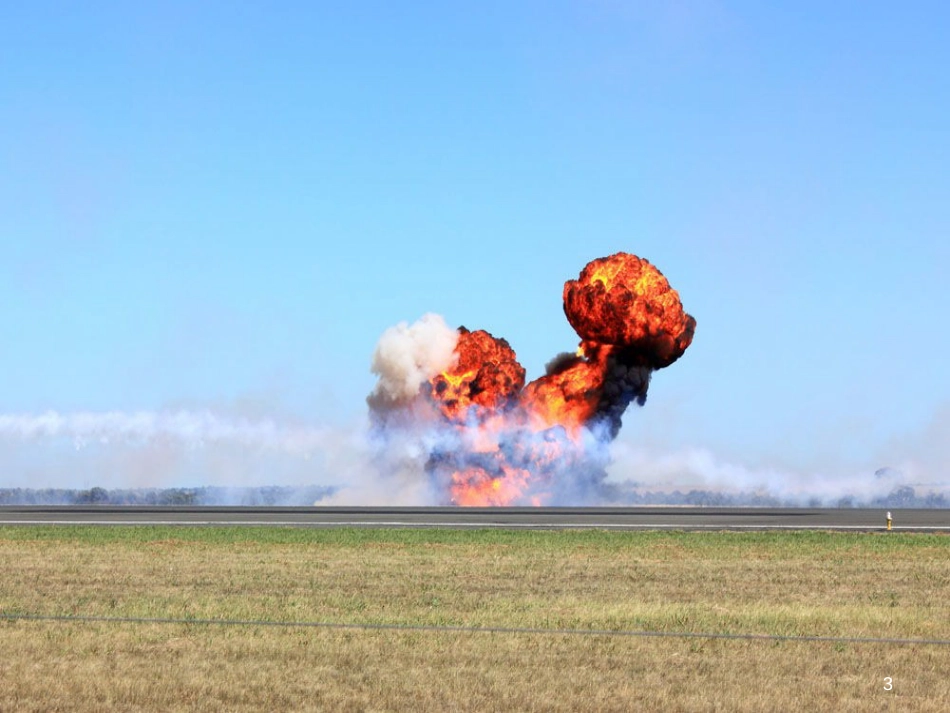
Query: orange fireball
[476,487]
[487,375]
[569,394]
[623,300]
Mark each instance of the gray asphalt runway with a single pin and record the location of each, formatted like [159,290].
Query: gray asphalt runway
[640,518]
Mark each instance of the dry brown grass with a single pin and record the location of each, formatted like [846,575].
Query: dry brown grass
[802,584]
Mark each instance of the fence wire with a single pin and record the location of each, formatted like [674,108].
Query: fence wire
[436,628]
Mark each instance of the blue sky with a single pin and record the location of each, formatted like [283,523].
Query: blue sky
[222,205]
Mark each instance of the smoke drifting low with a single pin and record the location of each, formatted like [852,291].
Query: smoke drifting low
[188,428]
[177,449]
[696,476]
[200,457]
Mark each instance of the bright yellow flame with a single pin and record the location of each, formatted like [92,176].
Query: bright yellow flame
[606,274]
[456,380]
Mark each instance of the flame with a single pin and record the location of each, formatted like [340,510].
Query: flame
[518,471]
[623,300]
[605,273]
[487,376]
[514,440]
[569,394]
[476,487]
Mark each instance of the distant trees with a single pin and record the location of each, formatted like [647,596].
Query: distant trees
[94,496]
[179,497]
[901,497]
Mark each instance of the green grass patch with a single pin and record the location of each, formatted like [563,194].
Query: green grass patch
[679,543]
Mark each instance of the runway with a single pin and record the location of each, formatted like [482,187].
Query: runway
[611,518]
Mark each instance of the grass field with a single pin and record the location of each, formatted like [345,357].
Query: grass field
[795,584]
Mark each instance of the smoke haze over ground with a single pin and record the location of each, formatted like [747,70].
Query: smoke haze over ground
[225,460]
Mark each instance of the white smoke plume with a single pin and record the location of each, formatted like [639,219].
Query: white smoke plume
[173,449]
[188,428]
[409,355]
[639,474]
[391,472]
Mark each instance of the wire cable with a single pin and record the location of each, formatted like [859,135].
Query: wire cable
[437,628]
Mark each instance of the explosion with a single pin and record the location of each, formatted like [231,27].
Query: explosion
[501,442]
[625,302]
[486,378]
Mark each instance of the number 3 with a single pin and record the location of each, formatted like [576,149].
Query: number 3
[888,684]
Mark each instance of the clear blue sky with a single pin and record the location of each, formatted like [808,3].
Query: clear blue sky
[224,203]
